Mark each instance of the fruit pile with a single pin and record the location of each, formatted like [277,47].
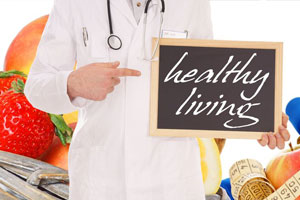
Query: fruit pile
[25,130]
[18,60]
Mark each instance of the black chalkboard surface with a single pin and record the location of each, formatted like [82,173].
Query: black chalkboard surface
[225,89]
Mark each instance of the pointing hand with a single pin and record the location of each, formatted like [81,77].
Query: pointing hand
[94,81]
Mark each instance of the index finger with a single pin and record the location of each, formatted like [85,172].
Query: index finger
[125,72]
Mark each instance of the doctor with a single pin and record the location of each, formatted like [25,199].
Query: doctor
[112,156]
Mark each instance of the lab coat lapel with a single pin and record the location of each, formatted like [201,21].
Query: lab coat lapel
[124,9]
[153,10]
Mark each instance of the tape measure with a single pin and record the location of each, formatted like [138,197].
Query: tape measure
[249,182]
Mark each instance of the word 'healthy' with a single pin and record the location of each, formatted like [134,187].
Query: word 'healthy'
[210,76]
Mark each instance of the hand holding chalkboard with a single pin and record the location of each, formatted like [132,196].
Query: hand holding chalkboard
[278,139]
[221,89]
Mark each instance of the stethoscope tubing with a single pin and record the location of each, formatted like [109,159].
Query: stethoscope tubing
[148,3]
[112,35]
[109,18]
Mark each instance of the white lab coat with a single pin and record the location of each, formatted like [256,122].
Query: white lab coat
[112,156]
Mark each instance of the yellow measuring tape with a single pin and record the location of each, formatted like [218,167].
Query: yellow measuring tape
[249,182]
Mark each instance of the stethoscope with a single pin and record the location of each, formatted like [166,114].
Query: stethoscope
[114,41]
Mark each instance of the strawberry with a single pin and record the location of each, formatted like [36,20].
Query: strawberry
[7,77]
[24,129]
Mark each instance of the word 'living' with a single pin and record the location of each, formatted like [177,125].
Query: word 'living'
[209,76]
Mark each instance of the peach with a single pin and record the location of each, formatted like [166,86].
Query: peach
[22,50]
[57,154]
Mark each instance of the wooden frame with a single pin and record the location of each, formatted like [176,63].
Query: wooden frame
[154,131]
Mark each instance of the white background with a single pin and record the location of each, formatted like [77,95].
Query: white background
[232,20]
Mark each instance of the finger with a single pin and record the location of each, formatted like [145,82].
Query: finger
[113,65]
[285,119]
[284,133]
[125,72]
[279,141]
[110,82]
[116,81]
[264,140]
[109,90]
[107,83]
[272,141]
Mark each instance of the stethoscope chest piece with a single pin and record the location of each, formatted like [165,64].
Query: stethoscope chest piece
[114,42]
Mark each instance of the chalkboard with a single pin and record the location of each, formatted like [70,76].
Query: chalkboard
[217,89]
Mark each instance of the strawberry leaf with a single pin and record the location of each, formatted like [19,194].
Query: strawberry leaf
[64,132]
[61,136]
[5,74]
[68,139]
[17,86]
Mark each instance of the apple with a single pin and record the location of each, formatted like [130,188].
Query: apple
[283,167]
